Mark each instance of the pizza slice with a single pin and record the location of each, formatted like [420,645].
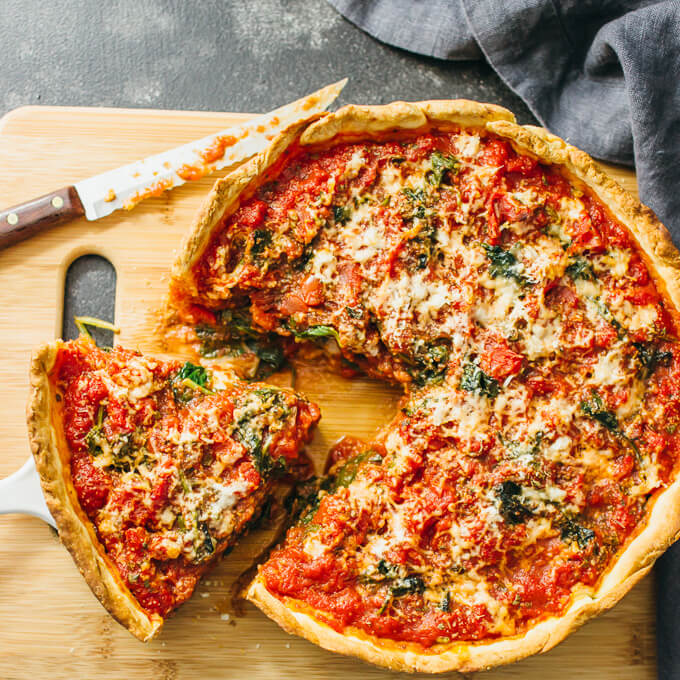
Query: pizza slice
[152,469]
[529,308]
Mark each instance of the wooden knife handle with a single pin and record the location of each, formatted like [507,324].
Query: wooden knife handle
[26,220]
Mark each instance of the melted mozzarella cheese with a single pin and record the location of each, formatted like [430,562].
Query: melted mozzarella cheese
[543,338]
[324,265]
[544,261]
[609,368]
[226,496]
[462,414]
[391,179]
[361,237]
[355,164]
[504,303]
[468,145]
[614,261]
[572,209]
[640,317]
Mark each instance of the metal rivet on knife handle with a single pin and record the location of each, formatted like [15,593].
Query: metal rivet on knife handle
[25,220]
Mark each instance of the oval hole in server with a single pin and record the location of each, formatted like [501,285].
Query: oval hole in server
[89,290]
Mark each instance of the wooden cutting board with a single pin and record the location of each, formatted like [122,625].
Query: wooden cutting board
[50,623]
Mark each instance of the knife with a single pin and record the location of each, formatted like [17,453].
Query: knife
[124,187]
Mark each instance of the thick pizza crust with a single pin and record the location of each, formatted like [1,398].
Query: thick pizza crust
[77,533]
[662,525]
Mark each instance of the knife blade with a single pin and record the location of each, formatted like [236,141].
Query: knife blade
[124,187]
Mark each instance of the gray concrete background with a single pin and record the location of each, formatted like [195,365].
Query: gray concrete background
[219,55]
[240,55]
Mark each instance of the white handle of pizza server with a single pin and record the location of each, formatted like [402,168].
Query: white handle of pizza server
[21,493]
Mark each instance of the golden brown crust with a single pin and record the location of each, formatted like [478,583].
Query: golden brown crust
[376,120]
[75,530]
[663,523]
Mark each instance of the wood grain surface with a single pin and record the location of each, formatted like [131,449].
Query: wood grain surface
[50,623]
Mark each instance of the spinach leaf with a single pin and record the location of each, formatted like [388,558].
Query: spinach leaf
[387,569]
[239,337]
[184,481]
[407,585]
[349,469]
[301,263]
[197,374]
[302,505]
[554,228]
[259,408]
[441,164]
[92,438]
[206,543]
[571,531]
[595,409]
[651,357]
[445,604]
[607,315]
[211,342]
[262,239]
[580,268]
[188,380]
[475,380]
[429,363]
[417,197]
[424,244]
[355,312]
[239,323]
[306,501]
[517,449]
[414,195]
[315,332]
[511,506]
[341,214]
[120,448]
[399,586]
[272,355]
[123,453]
[505,264]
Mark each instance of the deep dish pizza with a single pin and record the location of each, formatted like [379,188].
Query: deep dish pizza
[152,469]
[528,307]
